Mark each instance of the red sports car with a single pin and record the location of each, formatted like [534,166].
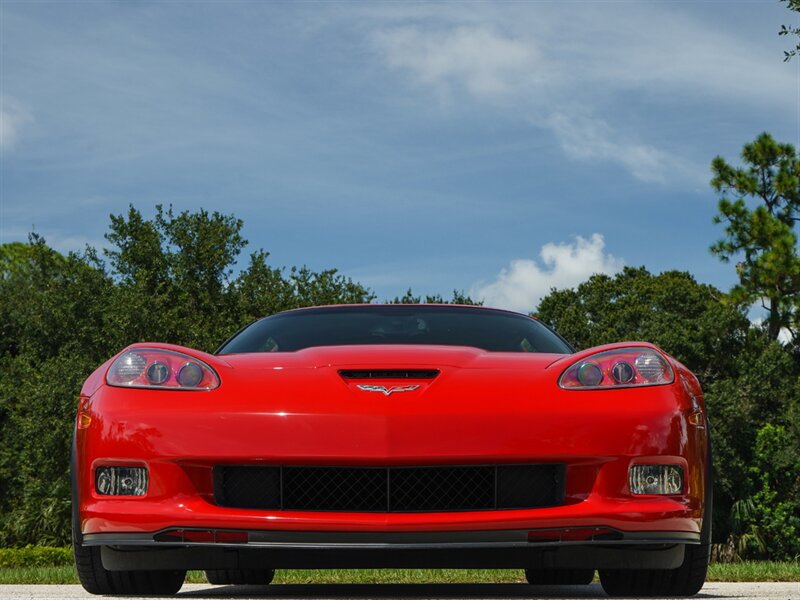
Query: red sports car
[392,436]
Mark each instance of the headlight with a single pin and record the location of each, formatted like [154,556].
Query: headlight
[626,367]
[160,369]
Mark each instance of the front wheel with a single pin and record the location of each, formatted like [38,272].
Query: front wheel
[95,579]
[686,580]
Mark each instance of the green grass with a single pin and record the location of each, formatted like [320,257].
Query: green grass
[754,571]
[28,575]
[744,571]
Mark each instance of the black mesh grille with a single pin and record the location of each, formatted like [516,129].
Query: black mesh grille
[334,488]
[249,487]
[390,489]
[520,486]
[438,488]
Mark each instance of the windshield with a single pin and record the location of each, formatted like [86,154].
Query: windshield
[492,330]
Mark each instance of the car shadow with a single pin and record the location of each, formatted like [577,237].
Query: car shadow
[398,590]
[402,590]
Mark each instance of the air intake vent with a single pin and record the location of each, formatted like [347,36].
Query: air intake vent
[389,373]
[389,489]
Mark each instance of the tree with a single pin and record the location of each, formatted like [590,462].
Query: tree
[262,290]
[173,276]
[762,236]
[458,298]
[793,5]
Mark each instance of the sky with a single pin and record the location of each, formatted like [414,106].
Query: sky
[500,149]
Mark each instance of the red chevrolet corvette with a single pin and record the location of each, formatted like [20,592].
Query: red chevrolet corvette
[392,436]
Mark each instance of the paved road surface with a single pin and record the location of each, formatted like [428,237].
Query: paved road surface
[738,591]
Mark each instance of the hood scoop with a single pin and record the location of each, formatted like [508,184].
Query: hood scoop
[388,373]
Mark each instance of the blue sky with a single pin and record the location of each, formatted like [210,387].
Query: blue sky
[495,148]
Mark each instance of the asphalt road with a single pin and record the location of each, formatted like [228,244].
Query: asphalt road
[738,591]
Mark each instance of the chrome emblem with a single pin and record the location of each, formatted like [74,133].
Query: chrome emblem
[387,391]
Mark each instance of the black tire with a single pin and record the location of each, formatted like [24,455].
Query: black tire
[559,576]
[240,576]
[97,580]
[686,580]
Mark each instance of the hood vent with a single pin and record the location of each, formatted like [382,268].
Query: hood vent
[388,373]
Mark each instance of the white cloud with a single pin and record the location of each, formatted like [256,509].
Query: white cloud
[525,282]
[13,117]
[488,65]
[594,140]
[585,51]
[785,336]
[551,65]
[492,67]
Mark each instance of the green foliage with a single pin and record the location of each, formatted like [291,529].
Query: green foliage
[763,237]
[755,409]
[767,522]
[793,5]
[458,298]
[776,504]
[34,556]
[762,389]
[170,279]
[176,269]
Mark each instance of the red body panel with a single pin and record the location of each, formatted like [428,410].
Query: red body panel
[483,408]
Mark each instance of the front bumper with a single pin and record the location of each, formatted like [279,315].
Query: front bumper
[554,548]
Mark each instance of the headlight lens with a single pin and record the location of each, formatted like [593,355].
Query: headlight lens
[626,367]
[129,367]
[161,369]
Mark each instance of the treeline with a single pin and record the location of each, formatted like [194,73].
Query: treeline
[174,278]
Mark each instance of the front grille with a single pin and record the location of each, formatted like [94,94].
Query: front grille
[389,489]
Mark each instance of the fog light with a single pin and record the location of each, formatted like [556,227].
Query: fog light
[656,479]
[121,481]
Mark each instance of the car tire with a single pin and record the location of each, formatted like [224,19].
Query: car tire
[240,576]
[686,580]
[559,576]
[97,580]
